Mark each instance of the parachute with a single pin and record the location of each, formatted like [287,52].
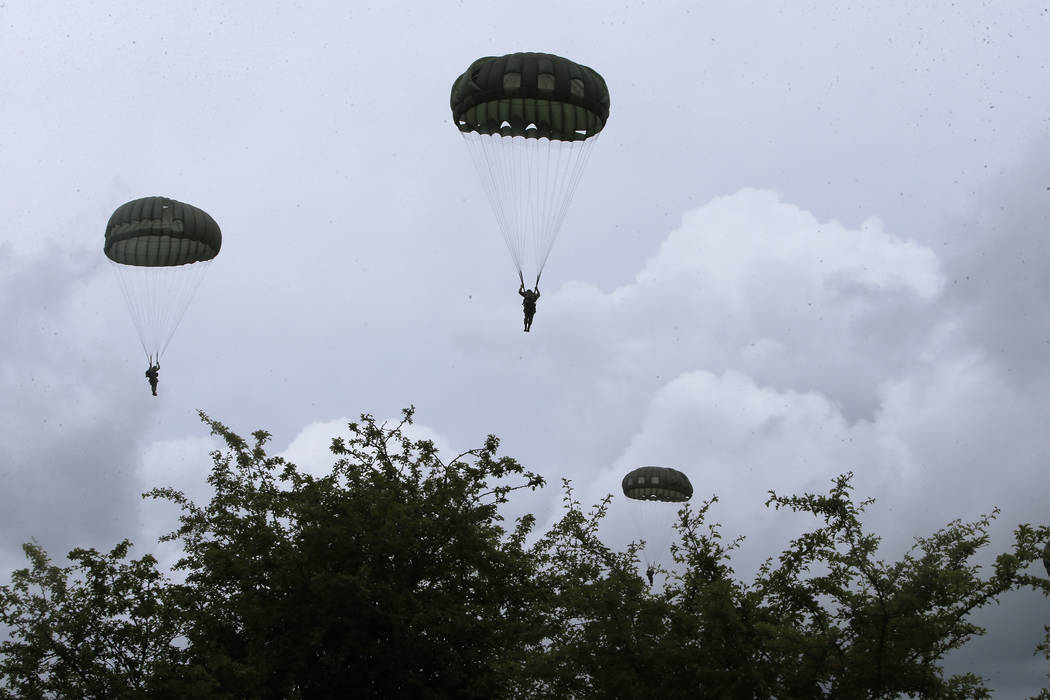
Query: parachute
[654,496]
[529,121]
[160,249]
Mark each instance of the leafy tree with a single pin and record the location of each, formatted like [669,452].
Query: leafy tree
[829,620]
[394,574]
[601,623]
[102,628]
[390,576]
[865,628]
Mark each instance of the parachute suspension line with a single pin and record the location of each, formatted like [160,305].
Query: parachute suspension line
[520,192]
[655,522]
[158,298]
[184,288]
[136,305]
[558,165]
[495,177]
[504,179]
[529,183]
[642,526]
[534,199]
[571,162]
[548,198]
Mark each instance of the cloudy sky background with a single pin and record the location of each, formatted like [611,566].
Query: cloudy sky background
[810,240]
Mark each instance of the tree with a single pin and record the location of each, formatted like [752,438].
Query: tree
[394,574]
[829,620]
[390,576]
[601,623]
[102,628]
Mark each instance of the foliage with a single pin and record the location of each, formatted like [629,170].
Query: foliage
[865,628]
[389,576]
[600,621]
[102,628]
[393,574]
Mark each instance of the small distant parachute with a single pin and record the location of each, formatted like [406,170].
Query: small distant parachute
[160,249]
[661,484]
[654,496]
[529,121]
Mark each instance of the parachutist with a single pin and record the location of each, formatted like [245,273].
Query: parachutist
[529,120]
[152,375]
[160,249]
[529,297]
[655,497]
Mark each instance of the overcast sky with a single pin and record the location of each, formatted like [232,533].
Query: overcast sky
[809,240]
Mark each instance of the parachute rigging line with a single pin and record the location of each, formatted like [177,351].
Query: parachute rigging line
[157,299]
[529,182]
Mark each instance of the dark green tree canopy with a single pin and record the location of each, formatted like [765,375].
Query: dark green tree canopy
[161,232]
[393,574]
[536,95]
[657,484]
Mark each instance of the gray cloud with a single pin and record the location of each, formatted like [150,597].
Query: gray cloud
[998,258]
[67,449]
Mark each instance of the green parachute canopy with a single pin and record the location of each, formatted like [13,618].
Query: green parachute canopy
[161,232]
[657,484]
[160,249]
[654,497]
[535,95]
[529,121]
